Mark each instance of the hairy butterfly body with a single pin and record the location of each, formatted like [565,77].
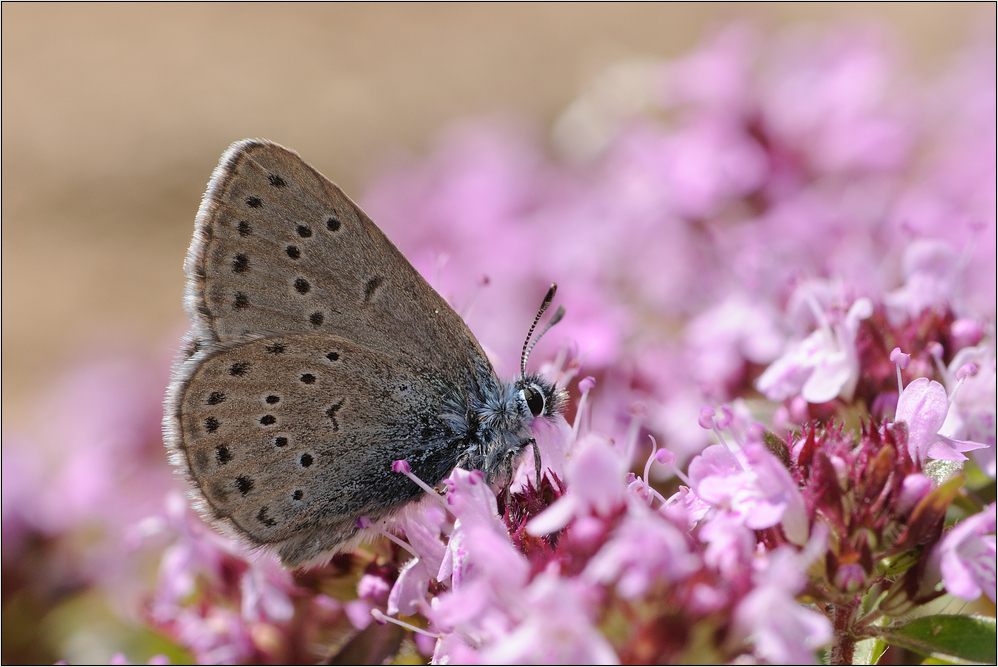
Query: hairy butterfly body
[318,356]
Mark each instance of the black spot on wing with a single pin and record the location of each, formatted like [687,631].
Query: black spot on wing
[244,484]
[239,369]
[372,285]
[264,519]
[240,263]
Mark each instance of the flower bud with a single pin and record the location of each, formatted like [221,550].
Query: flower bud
[913,489]
[850,578]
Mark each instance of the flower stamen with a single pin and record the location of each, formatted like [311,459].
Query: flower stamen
[365,522]
[383,618]
[707,421]
[402,466]
[900,360]
[585,385]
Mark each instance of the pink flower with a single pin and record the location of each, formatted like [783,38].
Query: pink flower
[829,96]
[824,365]
[422,525]
[471,500]
[197,552]
[358,612]
[923,406]
[644,552]
[410,589]
[216,635]
[716,76]
[721,339]
[555,627]
[782,630]
[931,270]
[266,589]
[489,577]
[754,486]
[972,413]
[595,477]
[966,556]
[730,545]
[473,503]
[487,574]
[687,505]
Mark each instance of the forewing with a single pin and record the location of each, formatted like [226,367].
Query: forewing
[290,439]
[279,248]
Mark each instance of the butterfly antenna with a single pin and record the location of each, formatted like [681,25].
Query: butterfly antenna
[527,346]
[558,314]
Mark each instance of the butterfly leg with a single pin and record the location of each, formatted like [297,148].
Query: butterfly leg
[532,443]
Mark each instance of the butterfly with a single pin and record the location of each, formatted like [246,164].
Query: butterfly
[318,356]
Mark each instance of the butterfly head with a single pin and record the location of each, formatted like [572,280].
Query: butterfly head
[502,421]
[538,397]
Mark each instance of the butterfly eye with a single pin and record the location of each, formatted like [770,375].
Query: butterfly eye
[534,399]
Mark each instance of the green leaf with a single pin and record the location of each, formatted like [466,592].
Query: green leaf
[966,638]
[868,651]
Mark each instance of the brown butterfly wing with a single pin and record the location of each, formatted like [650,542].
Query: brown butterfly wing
[278,247]
[281,258]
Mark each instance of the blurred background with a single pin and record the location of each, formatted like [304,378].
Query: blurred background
[114,117]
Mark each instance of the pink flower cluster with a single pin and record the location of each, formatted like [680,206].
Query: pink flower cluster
[603,543]
[791,230]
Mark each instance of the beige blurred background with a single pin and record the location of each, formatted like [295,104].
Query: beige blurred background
[115,114]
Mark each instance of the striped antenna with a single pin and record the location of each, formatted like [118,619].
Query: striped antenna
[527,346]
